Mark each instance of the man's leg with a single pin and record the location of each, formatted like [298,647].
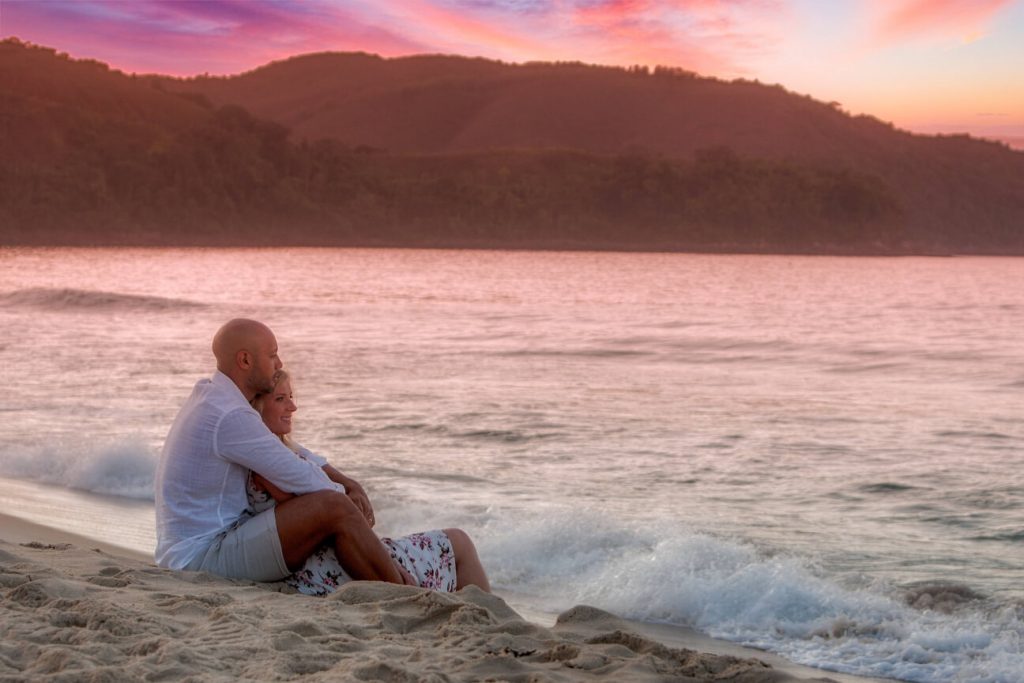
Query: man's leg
[306,522]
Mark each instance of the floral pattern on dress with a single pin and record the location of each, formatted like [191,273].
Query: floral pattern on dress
[427,555]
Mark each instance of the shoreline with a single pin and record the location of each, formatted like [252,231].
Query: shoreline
[723,250]
[56,574]
[18,531]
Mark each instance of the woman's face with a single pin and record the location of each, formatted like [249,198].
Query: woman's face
[278,408]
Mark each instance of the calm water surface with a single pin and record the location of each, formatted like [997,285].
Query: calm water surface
[822,456]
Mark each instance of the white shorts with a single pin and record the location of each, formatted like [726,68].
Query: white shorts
[251,550]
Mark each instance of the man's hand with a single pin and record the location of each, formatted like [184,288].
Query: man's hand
[362,501]
[355,492]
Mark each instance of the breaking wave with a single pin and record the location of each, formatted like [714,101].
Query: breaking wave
[929,633]
[125,468]
[61,299]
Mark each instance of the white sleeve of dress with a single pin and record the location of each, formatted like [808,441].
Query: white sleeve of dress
[320,462]
[242,438]
[309,455]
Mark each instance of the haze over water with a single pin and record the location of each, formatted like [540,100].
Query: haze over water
[789,452]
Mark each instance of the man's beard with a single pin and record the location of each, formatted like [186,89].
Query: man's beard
[262,384]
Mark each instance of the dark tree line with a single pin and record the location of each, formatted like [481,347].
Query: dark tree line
[234,179]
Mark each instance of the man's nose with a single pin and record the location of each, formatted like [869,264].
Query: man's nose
[278,364]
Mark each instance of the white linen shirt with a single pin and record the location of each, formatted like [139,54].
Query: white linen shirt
[214,441]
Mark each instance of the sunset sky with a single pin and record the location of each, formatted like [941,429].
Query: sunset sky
[926,65]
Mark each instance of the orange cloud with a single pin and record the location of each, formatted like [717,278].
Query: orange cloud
[944,19]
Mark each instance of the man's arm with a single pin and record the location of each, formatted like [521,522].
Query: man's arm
[243,439]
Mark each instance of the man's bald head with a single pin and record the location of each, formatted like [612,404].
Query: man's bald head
[246,351]
[240,334]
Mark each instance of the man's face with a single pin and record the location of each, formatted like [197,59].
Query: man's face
[265,365]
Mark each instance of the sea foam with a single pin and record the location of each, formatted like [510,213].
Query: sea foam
[123,468]
[733,590]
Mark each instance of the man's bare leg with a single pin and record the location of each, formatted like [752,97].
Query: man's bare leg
[469,571]
[306,522]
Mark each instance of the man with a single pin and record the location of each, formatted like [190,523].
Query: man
[202,517]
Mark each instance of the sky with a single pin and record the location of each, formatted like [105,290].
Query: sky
[925,65]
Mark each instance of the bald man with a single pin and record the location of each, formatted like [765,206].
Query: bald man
[203,518]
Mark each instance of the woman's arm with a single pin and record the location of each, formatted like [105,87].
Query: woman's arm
[354,490]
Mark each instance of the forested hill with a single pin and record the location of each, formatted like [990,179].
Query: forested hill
[446,104]
[343,149]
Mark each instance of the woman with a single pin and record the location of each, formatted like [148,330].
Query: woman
[443,559]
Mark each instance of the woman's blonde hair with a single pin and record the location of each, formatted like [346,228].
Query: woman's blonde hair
[259,401]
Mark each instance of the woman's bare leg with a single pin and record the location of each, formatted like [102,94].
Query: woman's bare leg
[468,569]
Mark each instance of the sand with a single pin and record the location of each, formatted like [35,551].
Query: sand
[74,610]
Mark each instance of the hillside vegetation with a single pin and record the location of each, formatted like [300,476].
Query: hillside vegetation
[443,151]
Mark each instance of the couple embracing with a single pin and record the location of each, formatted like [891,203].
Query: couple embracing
[236,496]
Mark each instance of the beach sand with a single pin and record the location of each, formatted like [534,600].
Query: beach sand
[73,609]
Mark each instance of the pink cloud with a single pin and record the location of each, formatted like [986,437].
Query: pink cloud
[709,36]
[229,36]
[183,38]
[944,19]
[474,28]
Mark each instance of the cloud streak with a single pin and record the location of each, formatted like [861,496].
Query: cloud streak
[711,36]
[898,21]
[183,38]
[224,36]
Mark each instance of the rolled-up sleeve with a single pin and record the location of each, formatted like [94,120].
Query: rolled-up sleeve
[242,438]
[309,455]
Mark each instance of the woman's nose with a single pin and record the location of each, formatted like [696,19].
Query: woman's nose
[291,407]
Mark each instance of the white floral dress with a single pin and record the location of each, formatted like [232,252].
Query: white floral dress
[427,555]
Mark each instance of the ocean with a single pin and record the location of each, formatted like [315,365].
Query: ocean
[818,456]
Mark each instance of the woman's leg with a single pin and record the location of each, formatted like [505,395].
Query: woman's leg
[468,569]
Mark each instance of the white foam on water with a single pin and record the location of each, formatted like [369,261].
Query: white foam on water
[731,590]
[123,467]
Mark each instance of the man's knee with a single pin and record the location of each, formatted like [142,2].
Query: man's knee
[329,508]
[337,504]
[341,511]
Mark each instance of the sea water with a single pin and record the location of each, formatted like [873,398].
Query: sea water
[819,456]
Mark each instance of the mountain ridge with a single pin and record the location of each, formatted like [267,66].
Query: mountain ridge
[534,152]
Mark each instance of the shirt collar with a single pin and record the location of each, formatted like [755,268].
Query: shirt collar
[225,383]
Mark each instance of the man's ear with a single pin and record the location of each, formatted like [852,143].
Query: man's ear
[244,359]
